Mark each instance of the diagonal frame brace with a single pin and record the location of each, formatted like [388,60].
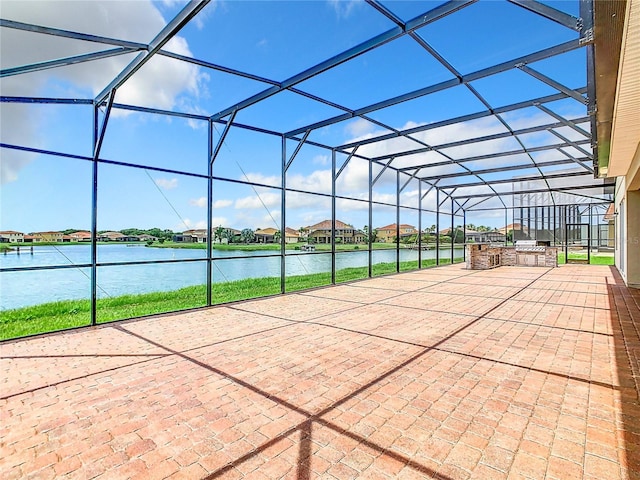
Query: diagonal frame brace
[223,136]
[346,162]
[564,19]
[552,83]
[384,168]
[103,128]
[297,150]
[165,35]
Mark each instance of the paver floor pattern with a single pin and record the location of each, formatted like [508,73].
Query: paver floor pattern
[443,373]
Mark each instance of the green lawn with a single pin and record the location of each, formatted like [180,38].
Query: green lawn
[597,258]
[54,316]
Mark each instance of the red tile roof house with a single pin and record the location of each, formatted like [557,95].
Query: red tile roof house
[345,233]
[388,233]
[82,236]
[291,235]
[11,236]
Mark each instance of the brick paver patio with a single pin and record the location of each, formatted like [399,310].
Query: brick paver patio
[443,373]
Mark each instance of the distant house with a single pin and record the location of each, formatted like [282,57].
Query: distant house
[147,238]
[388,233]
[191,236]
[11,236]
[82,236]
[493,236]
[51,237]
[111,237]
[265,235]
[345,233]
[229,235]
[291,235]
[66,239]
[513,227]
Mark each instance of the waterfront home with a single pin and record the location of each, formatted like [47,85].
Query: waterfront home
[38,237]
[110,237]
[147,238]
[198,235]
[345,233]
[11,236]
[388,233]
[493,236]
[265,235]
[291,235]
[81,236]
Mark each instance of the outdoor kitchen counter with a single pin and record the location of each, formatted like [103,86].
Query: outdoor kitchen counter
[483,256]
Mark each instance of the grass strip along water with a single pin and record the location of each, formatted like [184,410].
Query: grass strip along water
[53,316]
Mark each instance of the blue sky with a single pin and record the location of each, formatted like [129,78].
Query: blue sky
[273,40]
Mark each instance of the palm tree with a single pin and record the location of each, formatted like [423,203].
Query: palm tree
[247,235]
[373,234]
[218,234]
[276,236]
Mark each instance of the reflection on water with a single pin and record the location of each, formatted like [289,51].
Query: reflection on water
[19,289]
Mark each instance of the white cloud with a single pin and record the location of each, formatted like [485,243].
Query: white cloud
[322,160]
[161,83]
[167,184]
[219,221]
[198,202]
[344,8]
[267,199]
[188,224]
[202,203]
[17,129]
[256,177]
[317,181]
[359,127]
[222,203]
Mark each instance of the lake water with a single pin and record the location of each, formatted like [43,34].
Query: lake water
[19,289]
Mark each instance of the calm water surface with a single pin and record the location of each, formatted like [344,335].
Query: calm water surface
[20,289]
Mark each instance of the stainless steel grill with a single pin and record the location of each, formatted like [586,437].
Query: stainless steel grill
[529,246]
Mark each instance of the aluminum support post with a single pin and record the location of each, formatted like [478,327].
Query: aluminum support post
[210,157]
[464,230]
[94,221]
[506,231]
[419,225]
[370,239]
[333,217]
[437,226]
[397,221]
[453,232]
[283,214]
[98,138]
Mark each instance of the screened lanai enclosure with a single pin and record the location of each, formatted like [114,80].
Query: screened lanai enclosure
[268,147]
